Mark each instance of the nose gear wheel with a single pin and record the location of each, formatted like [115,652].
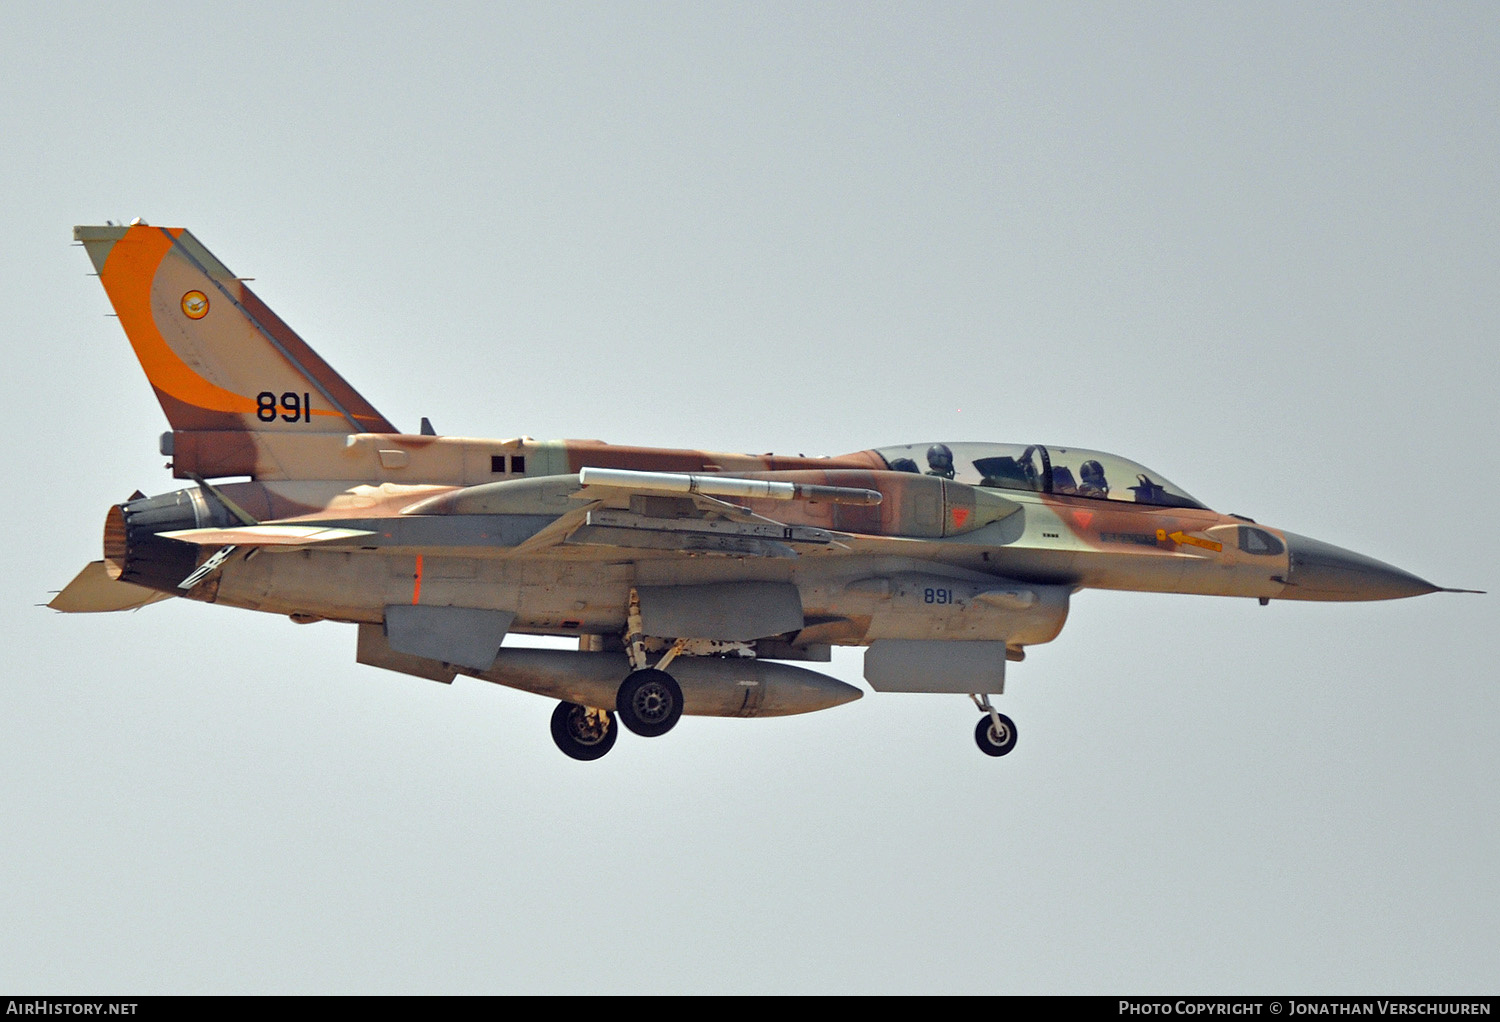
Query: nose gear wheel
[995,734]
[995,737]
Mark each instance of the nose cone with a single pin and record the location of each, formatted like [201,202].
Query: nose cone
[1322,571]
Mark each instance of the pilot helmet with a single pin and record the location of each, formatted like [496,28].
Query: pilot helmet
[938,456]
[1091,473]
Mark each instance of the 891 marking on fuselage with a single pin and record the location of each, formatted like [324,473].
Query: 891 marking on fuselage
[292,407]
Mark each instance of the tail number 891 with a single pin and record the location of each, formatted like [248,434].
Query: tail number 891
[289,408]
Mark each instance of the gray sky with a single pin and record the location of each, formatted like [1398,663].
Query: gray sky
[1252,246]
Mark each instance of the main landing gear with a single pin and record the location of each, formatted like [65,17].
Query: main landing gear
[995,734]
[583,732]
[648,702]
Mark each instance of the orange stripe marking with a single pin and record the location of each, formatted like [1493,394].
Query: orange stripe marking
[416,589]
[128,276]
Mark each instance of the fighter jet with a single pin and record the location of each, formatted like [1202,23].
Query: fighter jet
[693,582]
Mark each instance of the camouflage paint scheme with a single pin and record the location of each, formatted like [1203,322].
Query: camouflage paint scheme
[438,546]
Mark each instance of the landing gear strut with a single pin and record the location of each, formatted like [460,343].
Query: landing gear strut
[649,701]
[995,734]
[583,732]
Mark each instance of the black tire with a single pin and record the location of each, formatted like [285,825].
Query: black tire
[649,703]
[579,737]
[990,743]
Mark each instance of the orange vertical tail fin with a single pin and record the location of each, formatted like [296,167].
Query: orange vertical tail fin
[230,375]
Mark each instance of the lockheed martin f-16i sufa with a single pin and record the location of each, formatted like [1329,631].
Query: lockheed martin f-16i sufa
[694,582]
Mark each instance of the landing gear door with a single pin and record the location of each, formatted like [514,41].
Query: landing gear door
[936,665]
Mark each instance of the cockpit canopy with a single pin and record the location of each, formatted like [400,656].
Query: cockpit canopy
[1066,471]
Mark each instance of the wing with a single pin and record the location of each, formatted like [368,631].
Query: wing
[680,511]
[662,511]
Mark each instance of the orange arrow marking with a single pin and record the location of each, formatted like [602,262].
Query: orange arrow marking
[1183,539]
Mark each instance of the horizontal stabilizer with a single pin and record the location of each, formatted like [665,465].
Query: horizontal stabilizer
[93,591]
[265,535]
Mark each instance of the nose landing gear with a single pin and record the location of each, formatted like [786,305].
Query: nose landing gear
[995,734]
